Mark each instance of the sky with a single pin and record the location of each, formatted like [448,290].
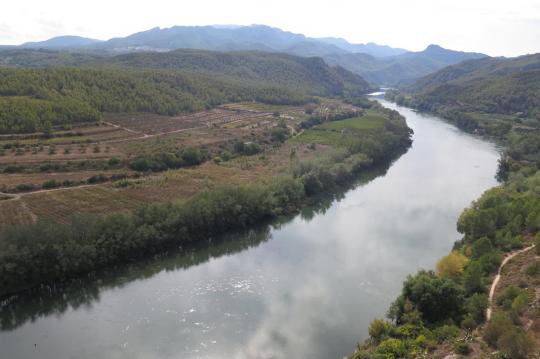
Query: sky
[494,27]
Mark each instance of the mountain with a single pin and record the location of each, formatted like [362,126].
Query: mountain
[492,85]
[62,42]
[163,83]
[401,69]
[229,38]
[311,74]
[370,48]
[381,65]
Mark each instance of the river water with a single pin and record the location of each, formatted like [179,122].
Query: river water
[305,287]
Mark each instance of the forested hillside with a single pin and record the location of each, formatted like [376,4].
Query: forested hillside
[161,83]
[504,86]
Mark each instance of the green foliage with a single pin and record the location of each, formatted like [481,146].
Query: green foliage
[515,344]
[473,278]
[496,327]
[392,348]
[451,266]
[462,348]
[38,99]
[476,307]
[437,299]
[445,332]
[379,330]
[162,161]
[534,269]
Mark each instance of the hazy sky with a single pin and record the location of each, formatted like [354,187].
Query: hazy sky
[495,27]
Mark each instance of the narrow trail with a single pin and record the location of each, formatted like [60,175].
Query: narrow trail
[498,277]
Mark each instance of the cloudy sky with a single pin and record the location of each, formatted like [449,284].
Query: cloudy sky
[495,27]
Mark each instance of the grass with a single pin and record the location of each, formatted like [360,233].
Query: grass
[364,123]
[338,133]
[255,106]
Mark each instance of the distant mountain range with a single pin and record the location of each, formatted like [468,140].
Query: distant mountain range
[400,69]
[62,42]
[378,64]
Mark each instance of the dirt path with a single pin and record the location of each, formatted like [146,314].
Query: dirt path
[498,277]
[10,196]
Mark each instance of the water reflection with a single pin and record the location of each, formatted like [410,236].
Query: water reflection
[57,299]
[309,292]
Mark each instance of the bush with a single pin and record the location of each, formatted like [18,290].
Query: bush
[534,269]
[97,179]
[437,299]
[379,330]
[24,187]
[446,332]
[50,184]
[476,307]
[392,348]
[468,323]
[462,348]
[496,327]
[473,278]
[515,344]
[13,169]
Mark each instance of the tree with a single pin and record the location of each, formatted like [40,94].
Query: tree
[437,299]
[472,278]
[451,266]
[476,306]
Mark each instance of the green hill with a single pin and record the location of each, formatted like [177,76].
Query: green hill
[492,85]
[162,83]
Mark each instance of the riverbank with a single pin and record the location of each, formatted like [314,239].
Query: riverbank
[48,252]
[502,220]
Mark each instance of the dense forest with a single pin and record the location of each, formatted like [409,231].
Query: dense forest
[493,85]
[183,81]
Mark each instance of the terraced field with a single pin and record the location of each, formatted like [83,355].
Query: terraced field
[29,161]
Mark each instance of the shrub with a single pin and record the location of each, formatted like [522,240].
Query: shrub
[534,269]
[392,348]
[468,323]
[437,299]
[462,348]
[24,187]
[476,307]
[496,327]
[446,332]
[113,161]
[379,329]
[97,179]
[50,184]
[515,344]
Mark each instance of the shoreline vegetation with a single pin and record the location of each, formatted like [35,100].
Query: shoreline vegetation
[46,252]
[443,312]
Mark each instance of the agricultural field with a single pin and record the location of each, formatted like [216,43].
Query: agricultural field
[340,133]
[88,168]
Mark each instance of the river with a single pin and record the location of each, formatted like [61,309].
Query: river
[305,287]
